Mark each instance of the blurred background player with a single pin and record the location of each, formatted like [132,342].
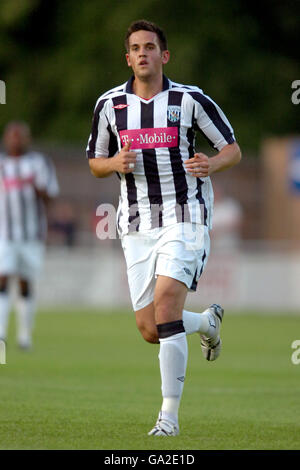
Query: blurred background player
[27,183]
[227,220]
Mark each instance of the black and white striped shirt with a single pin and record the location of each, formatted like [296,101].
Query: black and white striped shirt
[162,129]
[22,212]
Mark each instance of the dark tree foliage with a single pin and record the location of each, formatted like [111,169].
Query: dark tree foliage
[58,56]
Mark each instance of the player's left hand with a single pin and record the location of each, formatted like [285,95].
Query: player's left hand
[198,166]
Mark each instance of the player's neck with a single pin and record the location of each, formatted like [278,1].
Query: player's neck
[15,153]
[146,89]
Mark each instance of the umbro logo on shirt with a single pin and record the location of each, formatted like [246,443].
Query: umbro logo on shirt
[121,106]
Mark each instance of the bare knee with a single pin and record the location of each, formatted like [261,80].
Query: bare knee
[149,333]
[145,321]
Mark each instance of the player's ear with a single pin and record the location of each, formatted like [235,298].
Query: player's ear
[128,60]
[165,57]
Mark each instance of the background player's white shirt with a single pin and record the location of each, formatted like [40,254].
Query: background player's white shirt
[162,129]
[22,213]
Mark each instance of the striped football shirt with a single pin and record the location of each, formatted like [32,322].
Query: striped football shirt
[162,130]
[22,212]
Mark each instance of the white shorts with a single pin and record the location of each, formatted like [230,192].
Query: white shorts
[23,259]
[178,251]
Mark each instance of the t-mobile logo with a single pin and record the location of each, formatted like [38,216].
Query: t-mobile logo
[149,138]
[2,92]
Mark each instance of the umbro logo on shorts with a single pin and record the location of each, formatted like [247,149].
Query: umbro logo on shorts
[187,271]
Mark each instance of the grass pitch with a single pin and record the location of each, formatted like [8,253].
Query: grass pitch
[91,382]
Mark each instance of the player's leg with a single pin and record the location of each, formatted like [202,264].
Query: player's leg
[169,300]
[207,324]
[202,323]
[145,321]
[8,264]
[140,255]
[5,305]
[181,258]
[30,259]
[184,258]
[193,322]
[25,313]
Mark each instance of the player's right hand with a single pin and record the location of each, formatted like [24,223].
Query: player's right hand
[125,160]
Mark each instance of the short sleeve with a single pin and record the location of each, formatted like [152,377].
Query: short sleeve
[211,121]
[45,178]
[102,142]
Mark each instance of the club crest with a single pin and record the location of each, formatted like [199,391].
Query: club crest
[173,113]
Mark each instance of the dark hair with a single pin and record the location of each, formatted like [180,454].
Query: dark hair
[144,25]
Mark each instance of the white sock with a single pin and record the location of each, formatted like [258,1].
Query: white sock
[5,305]
[173,361]
[169,409]
[25,316]
[197,322]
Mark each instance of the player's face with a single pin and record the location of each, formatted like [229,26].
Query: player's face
[145,56]
[16,140]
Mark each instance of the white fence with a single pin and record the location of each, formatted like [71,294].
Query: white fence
[240,280]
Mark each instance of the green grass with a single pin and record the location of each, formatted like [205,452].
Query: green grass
[91,382]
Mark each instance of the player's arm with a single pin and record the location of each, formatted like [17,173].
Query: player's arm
[215,126]
[45,182]
[103,144]
[201,165]
[42,194]
[229,156]
[123,162]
